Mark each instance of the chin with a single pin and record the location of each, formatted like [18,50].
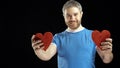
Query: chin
[73,28]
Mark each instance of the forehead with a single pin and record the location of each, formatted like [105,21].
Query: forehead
[72,10]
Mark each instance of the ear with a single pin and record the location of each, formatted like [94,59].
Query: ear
[63,14]
[81,13]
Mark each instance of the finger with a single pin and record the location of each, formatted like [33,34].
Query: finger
[39,43]
[109,40]
[38,46]
[106,43]
[106,47]
[32,39]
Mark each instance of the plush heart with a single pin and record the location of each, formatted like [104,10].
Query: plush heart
[99,37]
[46,38]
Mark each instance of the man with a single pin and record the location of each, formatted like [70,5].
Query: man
[75,46]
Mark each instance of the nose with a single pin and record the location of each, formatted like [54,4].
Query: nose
[72,17]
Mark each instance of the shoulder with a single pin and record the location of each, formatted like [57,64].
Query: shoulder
[88,30]
[60,34]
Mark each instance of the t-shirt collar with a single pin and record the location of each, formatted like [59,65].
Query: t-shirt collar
[80,28]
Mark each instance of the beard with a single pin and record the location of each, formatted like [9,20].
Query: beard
[73,24]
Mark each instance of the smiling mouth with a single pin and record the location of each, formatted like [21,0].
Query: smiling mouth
[71,24]
[72,21]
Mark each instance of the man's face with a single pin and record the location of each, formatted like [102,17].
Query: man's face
[73,17]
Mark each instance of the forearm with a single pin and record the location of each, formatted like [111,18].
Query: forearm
[105,51]
[46,55]
[107,58]
[41,54]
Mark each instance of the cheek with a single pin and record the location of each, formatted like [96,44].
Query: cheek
[79,19]
[66,20]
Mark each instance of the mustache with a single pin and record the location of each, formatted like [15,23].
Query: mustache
[72,21]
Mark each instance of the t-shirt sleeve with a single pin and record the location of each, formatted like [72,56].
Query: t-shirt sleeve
[56,40]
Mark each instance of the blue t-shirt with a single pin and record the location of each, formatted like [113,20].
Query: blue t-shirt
[75,50]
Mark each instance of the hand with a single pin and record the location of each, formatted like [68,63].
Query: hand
[36,44]
[105,50]
[107,45]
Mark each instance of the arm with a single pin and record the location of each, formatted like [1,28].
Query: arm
[106,51]
[42,54]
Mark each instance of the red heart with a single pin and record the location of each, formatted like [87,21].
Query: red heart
[99,37]
[46,38]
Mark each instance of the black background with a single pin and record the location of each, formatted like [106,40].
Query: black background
[21,19]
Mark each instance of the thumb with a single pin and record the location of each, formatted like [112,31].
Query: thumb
[32,38]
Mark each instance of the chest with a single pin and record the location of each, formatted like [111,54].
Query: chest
[72,44]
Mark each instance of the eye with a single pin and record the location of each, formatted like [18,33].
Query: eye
[75,14]
[68,15]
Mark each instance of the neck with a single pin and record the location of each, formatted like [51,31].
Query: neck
[75,30]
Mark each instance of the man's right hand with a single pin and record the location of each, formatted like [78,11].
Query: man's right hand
[36,44]
[38,48]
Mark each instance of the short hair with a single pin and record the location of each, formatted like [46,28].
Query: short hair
[71,3]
